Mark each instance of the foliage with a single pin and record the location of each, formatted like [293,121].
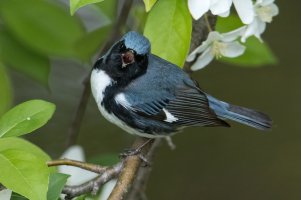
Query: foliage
[23,59]
[23,168]
[168,27]
[6,90]
[25,118]
[77,4]
[149,4]
[26,20]
[56,185]
[23,165]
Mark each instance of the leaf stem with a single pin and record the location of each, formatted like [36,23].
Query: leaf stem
[207,22]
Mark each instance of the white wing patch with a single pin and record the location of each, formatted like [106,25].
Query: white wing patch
[169,117]
[120,99]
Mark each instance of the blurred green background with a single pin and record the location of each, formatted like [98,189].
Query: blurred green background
[237,163]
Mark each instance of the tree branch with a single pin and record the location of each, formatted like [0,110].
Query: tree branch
[87,166]
[140,183]
[93,186]
[79,115]
[129,171]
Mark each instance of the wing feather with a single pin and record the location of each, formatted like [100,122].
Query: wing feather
[152,94]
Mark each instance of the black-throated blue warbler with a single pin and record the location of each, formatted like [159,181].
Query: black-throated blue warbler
[151,97]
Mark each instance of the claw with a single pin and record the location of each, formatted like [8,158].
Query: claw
[136,152]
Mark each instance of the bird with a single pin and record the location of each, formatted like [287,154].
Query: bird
[148,96]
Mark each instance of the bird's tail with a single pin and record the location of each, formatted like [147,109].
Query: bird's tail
[239,114]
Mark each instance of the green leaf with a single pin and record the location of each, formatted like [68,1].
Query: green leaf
[149,4]
[89,44]
[16,196]
[169,27]
[6,90]
[56,185]
[77,4]
[22,145]
[42,25]
[23,59]
[139,18]
[226,24]
[24,173]
[25,118]
[257,54]
[109,8]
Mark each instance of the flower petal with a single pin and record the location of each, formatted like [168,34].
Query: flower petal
[274,10]
[251,29]
[233,49]
[213,36]
[225,14]
[107,189]
[220,6]
[197,50]
[244,10]
[78,176]
[264,2]
[5,194]
[198,8]
[233,35]
[203,60]
[261,28]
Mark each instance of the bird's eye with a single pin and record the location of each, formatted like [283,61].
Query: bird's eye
[128,57]
[122,47]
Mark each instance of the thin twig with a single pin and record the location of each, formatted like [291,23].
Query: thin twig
[87,166]
[79,115]
[93,186]
[207,22]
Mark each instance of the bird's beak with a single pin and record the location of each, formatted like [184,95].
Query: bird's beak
[127,58]
[123,63]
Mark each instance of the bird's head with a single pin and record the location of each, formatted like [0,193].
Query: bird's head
[127,58]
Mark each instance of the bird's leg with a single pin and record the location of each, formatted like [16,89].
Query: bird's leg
[137,152]
[170,143]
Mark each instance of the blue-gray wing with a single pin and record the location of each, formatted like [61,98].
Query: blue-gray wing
[165,93]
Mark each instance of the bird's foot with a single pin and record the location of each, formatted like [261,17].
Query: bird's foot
[136,152]
[170,143]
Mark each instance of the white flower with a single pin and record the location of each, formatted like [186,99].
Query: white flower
[217,45]
[244,8]
[78,175]
[265,10]
[107,189]
[5,194]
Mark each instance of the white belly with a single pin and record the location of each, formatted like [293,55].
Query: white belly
[99,82]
